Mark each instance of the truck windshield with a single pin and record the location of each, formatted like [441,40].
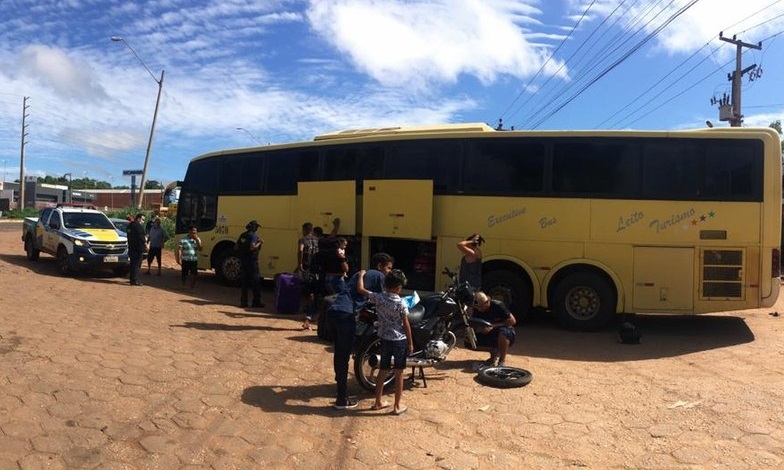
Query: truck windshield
[86,220]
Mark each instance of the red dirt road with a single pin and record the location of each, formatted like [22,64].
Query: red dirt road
[97,374]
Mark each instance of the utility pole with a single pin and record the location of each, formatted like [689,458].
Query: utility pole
[736,117]
[21,164]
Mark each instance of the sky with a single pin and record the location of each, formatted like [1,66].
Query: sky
[243,73]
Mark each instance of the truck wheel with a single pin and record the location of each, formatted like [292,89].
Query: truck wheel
[31,250]
[62,261]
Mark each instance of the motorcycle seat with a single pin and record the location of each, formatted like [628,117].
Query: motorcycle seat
[416,314]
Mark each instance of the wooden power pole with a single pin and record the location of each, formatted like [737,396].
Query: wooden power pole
[736,117]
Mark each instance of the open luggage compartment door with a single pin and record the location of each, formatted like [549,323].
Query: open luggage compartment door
[319,202]
[397,209]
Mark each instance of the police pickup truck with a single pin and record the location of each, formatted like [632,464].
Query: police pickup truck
[77,237]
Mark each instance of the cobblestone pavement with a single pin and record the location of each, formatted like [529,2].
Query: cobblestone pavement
[97,374]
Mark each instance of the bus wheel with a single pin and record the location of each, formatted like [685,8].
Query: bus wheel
[584,302]
[510,289]
[229,268]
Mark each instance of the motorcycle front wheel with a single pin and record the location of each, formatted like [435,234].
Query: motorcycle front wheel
[366,365]
[504,377]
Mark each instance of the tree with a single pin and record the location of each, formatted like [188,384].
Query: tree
[152,184]
[777,125]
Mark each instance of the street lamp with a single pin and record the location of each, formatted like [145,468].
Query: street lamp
[154,117]
[111,190]
[70,187]
[248,132]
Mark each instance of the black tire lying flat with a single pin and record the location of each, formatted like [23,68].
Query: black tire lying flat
[504,377]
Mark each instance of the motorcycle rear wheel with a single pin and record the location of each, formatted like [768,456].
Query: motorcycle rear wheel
[504,377]
[366,365]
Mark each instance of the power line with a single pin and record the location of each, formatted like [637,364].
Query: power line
[617,62]
[628,33]
[543,96]
[527,85]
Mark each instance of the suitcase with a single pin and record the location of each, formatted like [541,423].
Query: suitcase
[288,292]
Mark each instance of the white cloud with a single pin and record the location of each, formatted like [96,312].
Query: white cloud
[751,20]
[427,43]
[66,76]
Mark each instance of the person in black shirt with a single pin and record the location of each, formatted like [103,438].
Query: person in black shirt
[249,245]
[137,243]
[496,338]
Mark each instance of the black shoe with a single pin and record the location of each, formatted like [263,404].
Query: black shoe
[136,283]
[348,404]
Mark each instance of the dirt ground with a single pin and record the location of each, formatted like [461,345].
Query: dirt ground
[97,374]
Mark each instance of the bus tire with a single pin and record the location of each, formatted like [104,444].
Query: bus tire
[510,289]
[229,268]
[583,301]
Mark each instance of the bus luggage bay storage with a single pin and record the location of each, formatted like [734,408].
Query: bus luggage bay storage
[583,224]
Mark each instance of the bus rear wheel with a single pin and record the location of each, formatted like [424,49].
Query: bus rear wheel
[510,289]
[229,268]
[583,301]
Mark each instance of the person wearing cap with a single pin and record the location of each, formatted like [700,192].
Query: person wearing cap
[497,337]
[248,247]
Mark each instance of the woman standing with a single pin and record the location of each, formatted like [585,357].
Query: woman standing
[471,262]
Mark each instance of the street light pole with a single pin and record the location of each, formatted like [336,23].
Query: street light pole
[154,118]
[70,187]
[248,132]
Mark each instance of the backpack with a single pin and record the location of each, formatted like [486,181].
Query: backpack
[243,245]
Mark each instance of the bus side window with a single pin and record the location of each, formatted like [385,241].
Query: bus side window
[436,160]
[353,163]
[504,166]
[671,170]
[595,167]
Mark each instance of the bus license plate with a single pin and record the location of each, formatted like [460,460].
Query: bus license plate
[110,259]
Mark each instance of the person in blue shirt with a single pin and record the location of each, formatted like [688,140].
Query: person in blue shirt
[394,330]
[341,317]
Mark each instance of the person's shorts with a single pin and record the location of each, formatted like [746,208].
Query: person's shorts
[394,349]
[154,253]
[189,267]
[490,340]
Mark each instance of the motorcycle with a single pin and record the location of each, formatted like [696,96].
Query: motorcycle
[434,321]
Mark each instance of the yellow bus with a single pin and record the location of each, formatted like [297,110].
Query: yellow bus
[583,224]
